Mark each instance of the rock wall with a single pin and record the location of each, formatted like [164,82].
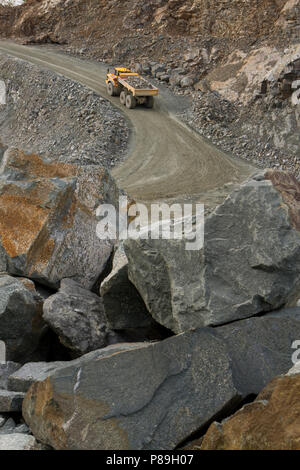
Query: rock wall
[221,18]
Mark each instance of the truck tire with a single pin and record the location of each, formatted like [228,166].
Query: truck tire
[117,90]
[149,102]
[130,102]
[110,89]
[123,97]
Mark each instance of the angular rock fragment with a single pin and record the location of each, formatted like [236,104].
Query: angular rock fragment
[31,372]
[48,219]
[8,427]
[250,262]
[10,402]
[21,322]
[7,369]
[77,316]
[19,442]
[155,395]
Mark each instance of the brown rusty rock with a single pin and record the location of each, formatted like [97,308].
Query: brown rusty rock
[48,219]
[271,422]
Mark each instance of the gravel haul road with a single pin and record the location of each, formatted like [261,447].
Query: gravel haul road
[166,160]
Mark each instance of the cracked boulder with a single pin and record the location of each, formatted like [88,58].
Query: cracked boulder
[48,219]
[21,322]
[77,316]
[155,395]
[249,264]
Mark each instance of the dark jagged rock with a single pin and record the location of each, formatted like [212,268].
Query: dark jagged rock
[21,322]
[77,316]
[250,262]
[155,395]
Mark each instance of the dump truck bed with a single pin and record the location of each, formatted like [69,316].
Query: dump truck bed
[138,85]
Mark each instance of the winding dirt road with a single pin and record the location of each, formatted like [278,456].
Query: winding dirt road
[167,161]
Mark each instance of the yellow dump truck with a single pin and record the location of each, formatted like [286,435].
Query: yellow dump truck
[131,87]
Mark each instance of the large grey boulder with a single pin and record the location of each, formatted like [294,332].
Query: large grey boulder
[250,262]
[48,219]
[77,316]
[21,322]
[124,306]
[155,395]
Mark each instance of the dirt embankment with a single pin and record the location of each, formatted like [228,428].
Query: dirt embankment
[58,118]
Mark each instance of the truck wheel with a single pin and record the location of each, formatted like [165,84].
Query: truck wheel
[123,98]
[130,101]
[117,90]
[110,89]
[150,102]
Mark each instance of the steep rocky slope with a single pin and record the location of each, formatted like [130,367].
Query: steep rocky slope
[52,115]
[233,58]
[104,24]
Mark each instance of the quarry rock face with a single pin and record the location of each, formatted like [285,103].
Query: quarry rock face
[170,388]
[249,71]
[271,422]
[250,262]
[48,219]
[222,17]
[78,318]
[21,322]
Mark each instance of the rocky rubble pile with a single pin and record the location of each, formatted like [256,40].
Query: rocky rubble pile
[247,106]
[58,118]
[173,341]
